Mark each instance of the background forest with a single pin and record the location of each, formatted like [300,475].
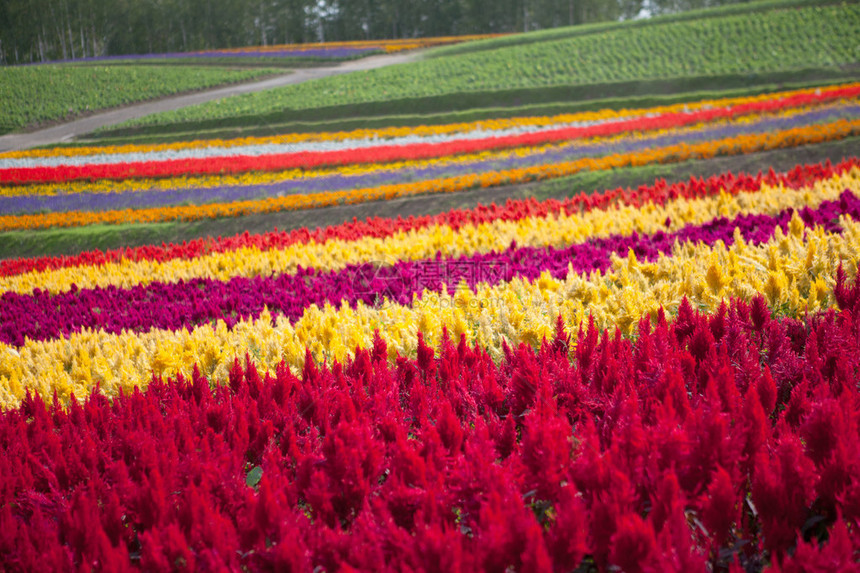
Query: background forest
[43,30]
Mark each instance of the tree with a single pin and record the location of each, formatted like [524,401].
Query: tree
[42,30]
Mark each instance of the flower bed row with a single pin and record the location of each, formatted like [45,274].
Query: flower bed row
[171,306]
[324,50]
[458,233]
[793,268]
[327,180]
[711,441]
[481,161]
[736,108]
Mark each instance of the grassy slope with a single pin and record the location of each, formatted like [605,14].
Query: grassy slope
[742,8]
[742,50]
[37,94]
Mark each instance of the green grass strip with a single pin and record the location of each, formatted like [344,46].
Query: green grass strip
[19,244]
[31,95]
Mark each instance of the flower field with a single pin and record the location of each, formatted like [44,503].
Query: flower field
[660,377]
[639,379]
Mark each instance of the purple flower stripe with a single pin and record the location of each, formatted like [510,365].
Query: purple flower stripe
[227,194]
[41,315]
[309,53]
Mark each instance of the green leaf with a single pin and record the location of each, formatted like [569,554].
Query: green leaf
[254,476]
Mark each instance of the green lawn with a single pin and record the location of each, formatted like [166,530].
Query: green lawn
[32,95]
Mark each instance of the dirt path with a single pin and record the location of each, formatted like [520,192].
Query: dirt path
[68,131]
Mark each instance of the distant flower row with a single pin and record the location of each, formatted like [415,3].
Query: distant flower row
[271,157]
[325,50]
[671,153]
[368,176]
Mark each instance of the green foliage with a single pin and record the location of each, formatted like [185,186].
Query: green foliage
[37,94]
[252,479]
[568,32]
[774,41]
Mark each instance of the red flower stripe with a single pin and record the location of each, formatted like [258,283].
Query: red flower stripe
[386,153]
[512,210]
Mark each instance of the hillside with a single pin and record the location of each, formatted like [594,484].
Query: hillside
[735,50]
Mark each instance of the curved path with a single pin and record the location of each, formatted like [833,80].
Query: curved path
[76,128]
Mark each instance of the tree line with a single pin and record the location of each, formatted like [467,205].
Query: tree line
[45,30]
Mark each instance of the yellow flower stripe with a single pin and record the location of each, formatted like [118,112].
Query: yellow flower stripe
[422,130]
[795,272]
[675,153]
[424,243]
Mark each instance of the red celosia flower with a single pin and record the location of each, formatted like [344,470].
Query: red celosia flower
[634,545]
